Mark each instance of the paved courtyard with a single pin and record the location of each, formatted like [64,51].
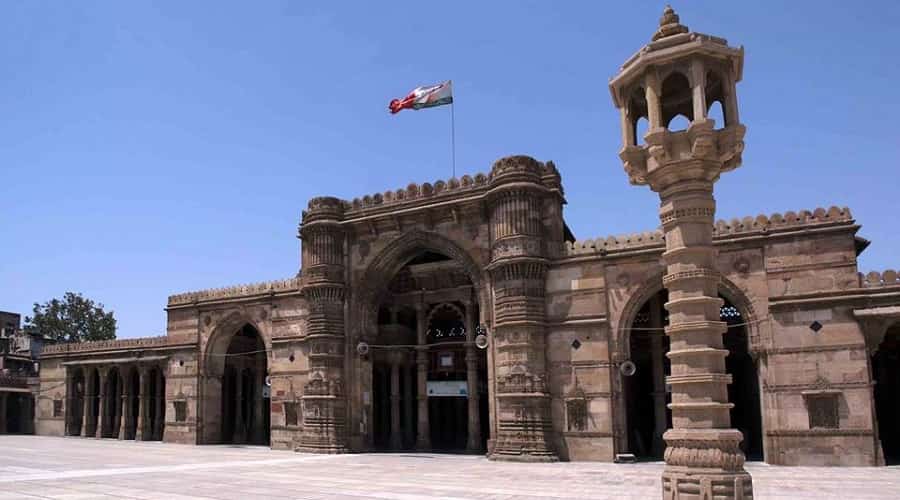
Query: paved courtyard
[74,468]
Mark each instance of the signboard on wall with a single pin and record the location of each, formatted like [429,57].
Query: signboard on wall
[448,388]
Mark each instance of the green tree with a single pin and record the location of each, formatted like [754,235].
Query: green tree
[72,319]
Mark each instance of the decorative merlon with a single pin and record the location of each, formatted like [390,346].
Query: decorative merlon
[103,345]
[438,191]
[414,192]
[875,279]
[722,229]
[236,291]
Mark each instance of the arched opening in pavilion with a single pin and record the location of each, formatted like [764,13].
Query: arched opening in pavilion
[244,409]
[886,375]
[75,412]
[429,381]
[646,393]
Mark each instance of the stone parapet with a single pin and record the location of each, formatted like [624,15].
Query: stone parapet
[105,345]
[747,226]
[237,291]
[875,279]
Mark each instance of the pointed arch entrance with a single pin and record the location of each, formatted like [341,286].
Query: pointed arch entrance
[646,395]
[236,406]
[428,380]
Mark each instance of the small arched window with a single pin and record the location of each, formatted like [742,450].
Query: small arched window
[676,99]
[715,97]
[637,113]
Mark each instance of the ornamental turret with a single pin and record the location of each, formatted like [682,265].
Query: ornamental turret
[681,73]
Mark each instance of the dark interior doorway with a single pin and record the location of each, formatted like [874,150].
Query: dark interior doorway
[886,374]
[245,406]
[647,396]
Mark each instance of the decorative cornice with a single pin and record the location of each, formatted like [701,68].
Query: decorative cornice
[238,291]
[759,225]
[105,345]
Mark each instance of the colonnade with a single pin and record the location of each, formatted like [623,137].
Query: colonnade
[122,401]
[244,410]
[418,387]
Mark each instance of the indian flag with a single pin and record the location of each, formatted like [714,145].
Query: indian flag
[424,97]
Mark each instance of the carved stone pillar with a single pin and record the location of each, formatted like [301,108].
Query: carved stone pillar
[116,427]
[160,408]
[423,427]
[409,426]
[703,456]
[143,381]
[396,438]
[259,380]
[124,431]
[474,417]
[324,398]
[239,424]
[522,192]
[102,410]
[88,404]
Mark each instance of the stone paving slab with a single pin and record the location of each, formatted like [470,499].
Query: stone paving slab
[77,468]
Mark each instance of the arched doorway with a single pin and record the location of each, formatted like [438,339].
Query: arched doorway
[429,381]
[886,374]
[239,366]
[646,394]
[75,412]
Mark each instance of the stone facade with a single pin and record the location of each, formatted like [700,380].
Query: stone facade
[364,349]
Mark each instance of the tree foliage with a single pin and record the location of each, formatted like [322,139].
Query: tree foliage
[72,319]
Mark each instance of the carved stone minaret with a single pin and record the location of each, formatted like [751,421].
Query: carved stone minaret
[324,396]
[683,73]
[522,192]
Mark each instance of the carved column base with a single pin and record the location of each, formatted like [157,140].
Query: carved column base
[324,428]
[524,430]
[705,464]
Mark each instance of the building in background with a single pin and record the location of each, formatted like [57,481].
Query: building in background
[18,375]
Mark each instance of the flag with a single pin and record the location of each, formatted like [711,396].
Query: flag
[424,97]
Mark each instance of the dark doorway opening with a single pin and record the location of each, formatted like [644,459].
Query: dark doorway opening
[647,396]
[245,406]
[425,364]
[886,374]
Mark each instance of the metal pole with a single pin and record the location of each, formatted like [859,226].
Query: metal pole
[453,138]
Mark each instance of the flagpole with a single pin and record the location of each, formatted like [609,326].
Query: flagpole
[453,138]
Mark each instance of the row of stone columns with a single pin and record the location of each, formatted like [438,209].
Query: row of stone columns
[112,415]
[251,419]
[423,434]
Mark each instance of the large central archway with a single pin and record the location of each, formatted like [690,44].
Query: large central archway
[236,407]
[429,382]
[421,303]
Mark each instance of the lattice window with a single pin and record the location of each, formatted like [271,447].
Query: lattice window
[729,312]
[823,411]
[180,410]
[290,413]
[576,411]
[57,408]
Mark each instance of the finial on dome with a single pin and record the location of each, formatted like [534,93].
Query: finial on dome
[669,25]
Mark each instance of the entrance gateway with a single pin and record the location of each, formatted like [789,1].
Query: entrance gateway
[429,381]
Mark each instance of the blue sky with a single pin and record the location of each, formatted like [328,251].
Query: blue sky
[149,148]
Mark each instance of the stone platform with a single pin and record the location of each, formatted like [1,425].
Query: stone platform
[71,468]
